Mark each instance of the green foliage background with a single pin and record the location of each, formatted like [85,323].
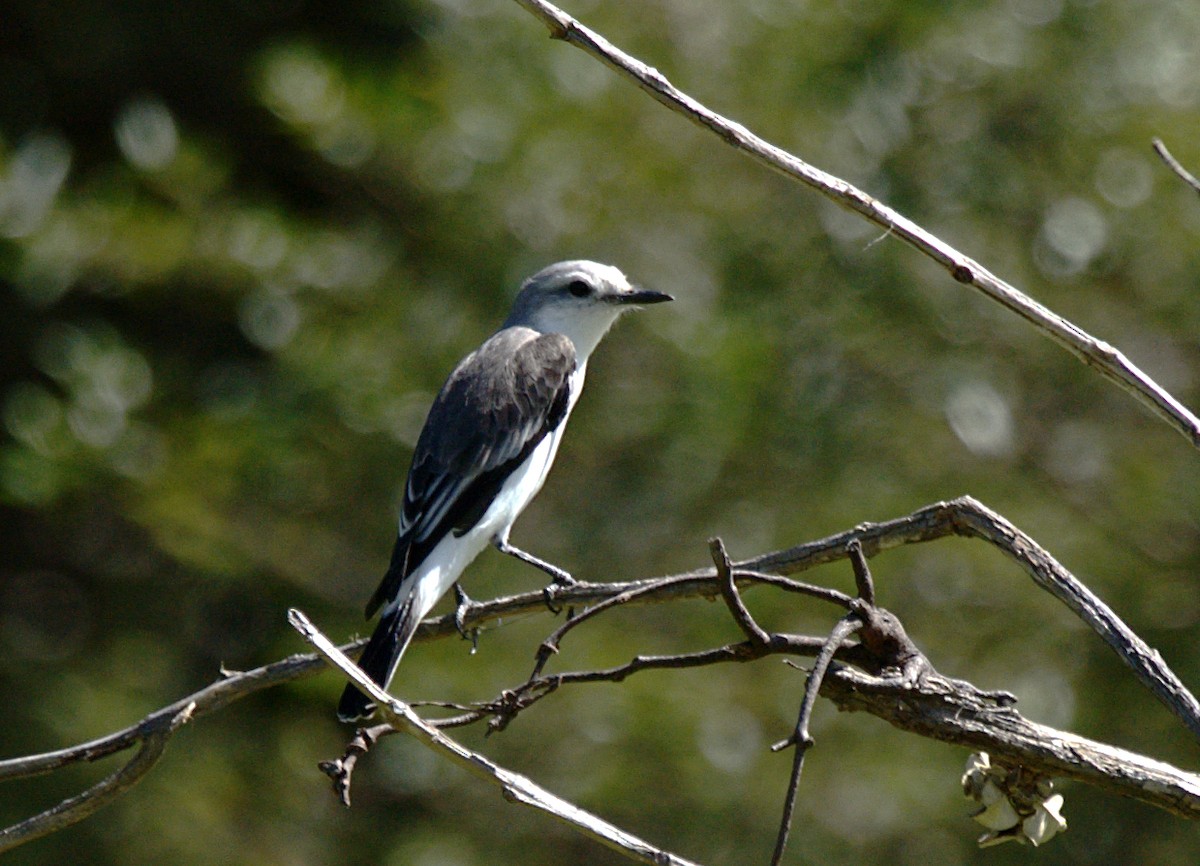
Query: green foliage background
[242,243]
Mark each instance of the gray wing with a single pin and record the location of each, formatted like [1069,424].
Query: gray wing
[495,408]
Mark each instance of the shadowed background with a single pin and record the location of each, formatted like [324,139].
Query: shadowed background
[242,244]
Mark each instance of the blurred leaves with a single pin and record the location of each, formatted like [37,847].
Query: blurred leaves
[241,244]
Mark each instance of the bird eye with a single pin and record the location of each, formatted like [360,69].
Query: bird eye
[579,289]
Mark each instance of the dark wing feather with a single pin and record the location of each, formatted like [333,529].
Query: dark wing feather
[495,408]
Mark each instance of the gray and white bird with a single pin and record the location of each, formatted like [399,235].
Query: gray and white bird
[486,447]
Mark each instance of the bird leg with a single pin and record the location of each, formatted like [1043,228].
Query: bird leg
[559,578]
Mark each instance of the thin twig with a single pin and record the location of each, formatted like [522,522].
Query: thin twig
[733,599]
[1174,165]
[550,645]
[751,577]
[862,572]
[1105,359]
[512,701]
[801,738]
[514,787]
[341,771]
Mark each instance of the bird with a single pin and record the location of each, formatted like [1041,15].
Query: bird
[487,445]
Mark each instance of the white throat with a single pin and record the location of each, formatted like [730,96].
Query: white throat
[585,327]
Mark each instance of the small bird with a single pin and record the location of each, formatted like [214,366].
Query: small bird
[486,447]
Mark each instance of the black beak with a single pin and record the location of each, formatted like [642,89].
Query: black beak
[643,296]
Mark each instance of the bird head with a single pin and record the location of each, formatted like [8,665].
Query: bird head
[580,299]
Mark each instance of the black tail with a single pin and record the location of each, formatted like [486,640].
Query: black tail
[378,661]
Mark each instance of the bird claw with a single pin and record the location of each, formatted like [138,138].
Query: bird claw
[548,594]
[462,607]
[552,590]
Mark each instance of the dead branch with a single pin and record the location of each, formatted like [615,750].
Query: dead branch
[154,734]
[936,707]
[955,712]
[887,676]
[1097,354]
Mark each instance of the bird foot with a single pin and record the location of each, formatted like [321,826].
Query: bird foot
[552,591]
[462,609]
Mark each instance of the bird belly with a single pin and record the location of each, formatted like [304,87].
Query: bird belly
[451,556]
[521,486]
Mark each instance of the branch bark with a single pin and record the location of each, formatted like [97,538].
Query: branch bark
[1175,166]
[954,712]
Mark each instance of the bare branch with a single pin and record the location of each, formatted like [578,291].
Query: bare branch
[154,736]
[975,520]
[964,517]
[801,738]
[1105,359]
[231,687]
[513,787]
[969,518]
[341,770]
[550,645]
[917,699]
[862,573]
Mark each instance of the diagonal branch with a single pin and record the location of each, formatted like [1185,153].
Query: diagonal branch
[733,599]
[1105,359]
[513,787]
[1175,166]
[973,519]
[233,686]
[969,518]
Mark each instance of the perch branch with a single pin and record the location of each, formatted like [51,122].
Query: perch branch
[1105,359]
[964,516]
[897,684]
